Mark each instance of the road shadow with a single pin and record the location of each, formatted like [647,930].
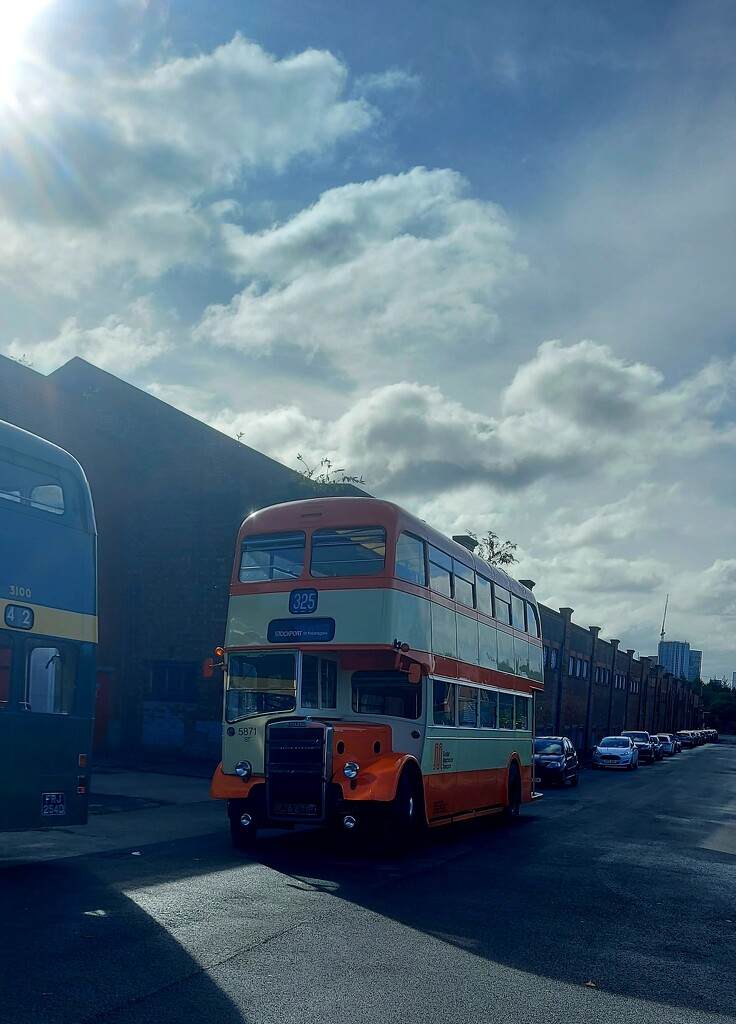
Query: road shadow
[618,908]
[78,951]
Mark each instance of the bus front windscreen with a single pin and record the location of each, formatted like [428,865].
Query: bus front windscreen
[260,683]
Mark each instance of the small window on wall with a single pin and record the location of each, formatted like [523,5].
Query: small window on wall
[521,712]
[488,709]
[553,657]
[506,711]
[440,571]
[467,706]
[174,680]
[585,670]
[410,564]
[51,681]
[502,604]
[546,656]
[443,702]
[319,682]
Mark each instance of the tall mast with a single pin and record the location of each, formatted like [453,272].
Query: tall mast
[661,635]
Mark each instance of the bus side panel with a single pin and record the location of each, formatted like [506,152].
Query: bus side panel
[48,563]
[39,754]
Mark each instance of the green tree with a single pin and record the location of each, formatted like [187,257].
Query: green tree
[325,473]
[494,550]
[719,705]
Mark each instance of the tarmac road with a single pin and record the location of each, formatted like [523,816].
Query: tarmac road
[613,901]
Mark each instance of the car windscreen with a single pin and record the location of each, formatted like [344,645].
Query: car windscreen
[639,737]
[553,747]
[614,741]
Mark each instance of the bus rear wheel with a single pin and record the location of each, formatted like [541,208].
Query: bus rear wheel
[512,810]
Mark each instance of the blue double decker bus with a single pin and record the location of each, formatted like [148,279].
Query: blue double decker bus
[48,633]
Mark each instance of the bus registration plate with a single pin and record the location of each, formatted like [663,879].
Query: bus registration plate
[53,804]
[300,809]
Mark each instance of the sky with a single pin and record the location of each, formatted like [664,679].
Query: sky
[479,253]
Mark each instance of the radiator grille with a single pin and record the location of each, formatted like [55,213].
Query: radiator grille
[296,771]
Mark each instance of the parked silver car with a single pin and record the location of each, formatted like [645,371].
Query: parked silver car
[668,744]
[616,752]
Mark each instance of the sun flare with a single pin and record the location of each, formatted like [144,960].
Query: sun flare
[15,18]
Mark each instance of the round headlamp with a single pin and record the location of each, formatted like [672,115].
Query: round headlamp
[350,769]
[244,770]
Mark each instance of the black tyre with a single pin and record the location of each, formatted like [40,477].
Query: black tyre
[243,836]
[512,810]
[576,778]
[405,817]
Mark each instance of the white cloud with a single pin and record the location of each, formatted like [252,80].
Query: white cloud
[116,169]
[403,271]
[391,81]
[120,344]
[570,413]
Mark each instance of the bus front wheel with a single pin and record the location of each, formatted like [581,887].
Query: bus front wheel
[243,835]
[404,819]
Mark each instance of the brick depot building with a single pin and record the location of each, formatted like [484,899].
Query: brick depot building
[593,689]
[170,494]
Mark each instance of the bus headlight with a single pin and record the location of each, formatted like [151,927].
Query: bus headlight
[350,769]
[244,770]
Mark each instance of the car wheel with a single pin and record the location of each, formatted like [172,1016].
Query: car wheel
[576,778]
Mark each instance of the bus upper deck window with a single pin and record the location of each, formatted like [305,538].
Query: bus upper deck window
[49,497]
[410,564]
[353,551]
[272,556]
[31,488]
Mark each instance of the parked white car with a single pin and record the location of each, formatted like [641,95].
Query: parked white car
[616,752]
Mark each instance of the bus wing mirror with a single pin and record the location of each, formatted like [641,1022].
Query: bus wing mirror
[209,665]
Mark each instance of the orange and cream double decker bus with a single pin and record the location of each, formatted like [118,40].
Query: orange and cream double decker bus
[377,675]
